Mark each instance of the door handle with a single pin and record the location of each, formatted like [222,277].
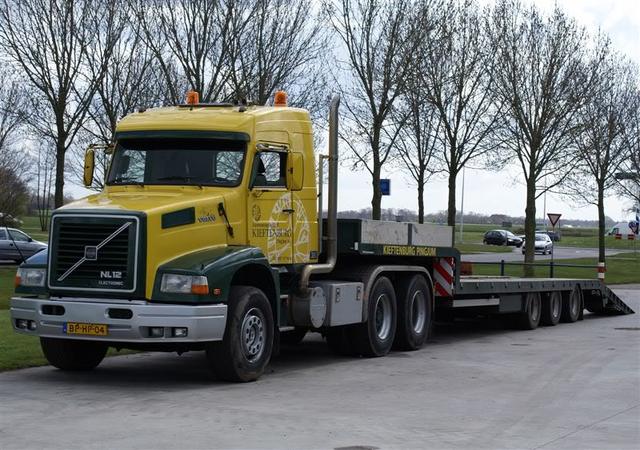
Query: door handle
[288,210]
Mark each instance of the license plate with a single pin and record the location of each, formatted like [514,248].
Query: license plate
[90,329]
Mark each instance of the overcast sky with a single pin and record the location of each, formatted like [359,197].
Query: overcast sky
[487,192]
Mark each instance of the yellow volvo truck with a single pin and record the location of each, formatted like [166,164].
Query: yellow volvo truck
[209,235]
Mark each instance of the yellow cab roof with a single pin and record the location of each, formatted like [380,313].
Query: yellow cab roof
[217,118]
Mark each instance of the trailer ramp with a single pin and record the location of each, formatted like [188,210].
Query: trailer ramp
[614,304]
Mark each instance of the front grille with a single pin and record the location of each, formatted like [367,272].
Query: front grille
[93,252]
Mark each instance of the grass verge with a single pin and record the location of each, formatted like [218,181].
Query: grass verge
[621,268]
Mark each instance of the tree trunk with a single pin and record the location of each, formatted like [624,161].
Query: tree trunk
[601,224]
[451,206]
[376,199]
[59,191]
[420,200]
[530,227]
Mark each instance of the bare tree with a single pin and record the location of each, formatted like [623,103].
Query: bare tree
[376,38]
[457,79]
[600,142]
[541,80]
[267,55]
[49,41]
[44,176]
[14,194]
[132,79]
[12,108]
[628,178]
[418,141]
[192,40]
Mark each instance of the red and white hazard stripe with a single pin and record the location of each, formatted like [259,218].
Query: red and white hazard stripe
[443,277]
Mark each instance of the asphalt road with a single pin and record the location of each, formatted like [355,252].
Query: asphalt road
[476,385]
[559,253]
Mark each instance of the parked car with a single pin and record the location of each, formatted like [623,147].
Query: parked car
[543,244]
[501,237]
[16,245]
[554,235]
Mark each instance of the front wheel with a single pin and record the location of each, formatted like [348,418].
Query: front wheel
[247,344]
[73,355]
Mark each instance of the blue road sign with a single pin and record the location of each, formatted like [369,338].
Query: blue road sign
[385,186]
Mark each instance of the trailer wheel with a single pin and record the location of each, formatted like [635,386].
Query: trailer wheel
[375,336]
[293,337]
[246,347]
[415,304]
[571,304]
[552,308]
[70,354]
[530,317]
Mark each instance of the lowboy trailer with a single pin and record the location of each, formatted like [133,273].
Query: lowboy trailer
[209,236]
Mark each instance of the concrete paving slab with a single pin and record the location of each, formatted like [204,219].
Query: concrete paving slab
[476,385]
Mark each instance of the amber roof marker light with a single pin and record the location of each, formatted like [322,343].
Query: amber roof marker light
[280,98]
[193,98]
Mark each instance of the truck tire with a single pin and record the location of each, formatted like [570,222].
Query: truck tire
[415,305]
[73,355]
[246,347]
[551,308]
[529,319]
[293,337]
[571,305]
[375,337]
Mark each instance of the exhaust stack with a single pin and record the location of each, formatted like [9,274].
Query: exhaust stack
[332,213]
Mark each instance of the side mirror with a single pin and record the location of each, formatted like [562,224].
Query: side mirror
[295,171]
[89,165]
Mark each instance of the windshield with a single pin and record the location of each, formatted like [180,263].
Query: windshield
[541,237]
[199,162]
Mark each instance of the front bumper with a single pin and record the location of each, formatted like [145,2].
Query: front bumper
[204,323]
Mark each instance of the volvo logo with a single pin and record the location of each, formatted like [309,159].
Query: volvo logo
[91,253]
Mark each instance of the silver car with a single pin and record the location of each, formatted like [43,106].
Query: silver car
[543,244]
[18,246]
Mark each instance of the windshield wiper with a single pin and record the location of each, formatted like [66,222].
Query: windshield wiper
[125,180]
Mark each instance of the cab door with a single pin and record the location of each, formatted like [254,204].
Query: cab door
[269,206]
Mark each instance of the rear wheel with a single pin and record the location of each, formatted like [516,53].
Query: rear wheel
[415,304]
[246,347]
[529,319]
[552,308]
[70,354]
[571,305]
[376,335]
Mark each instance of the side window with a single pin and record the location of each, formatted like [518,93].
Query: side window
[271,170]
[18,236]
[3,235]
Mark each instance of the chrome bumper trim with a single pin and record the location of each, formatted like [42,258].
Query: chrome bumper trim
[205,323]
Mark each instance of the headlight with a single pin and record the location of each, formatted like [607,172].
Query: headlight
[173,283]
[30,277]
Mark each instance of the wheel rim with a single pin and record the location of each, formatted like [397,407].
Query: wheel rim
[555,305]
[254,335]
[418,311]
[534,306]
[383,316]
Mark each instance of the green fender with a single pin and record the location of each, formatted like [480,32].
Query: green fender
[220,265]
